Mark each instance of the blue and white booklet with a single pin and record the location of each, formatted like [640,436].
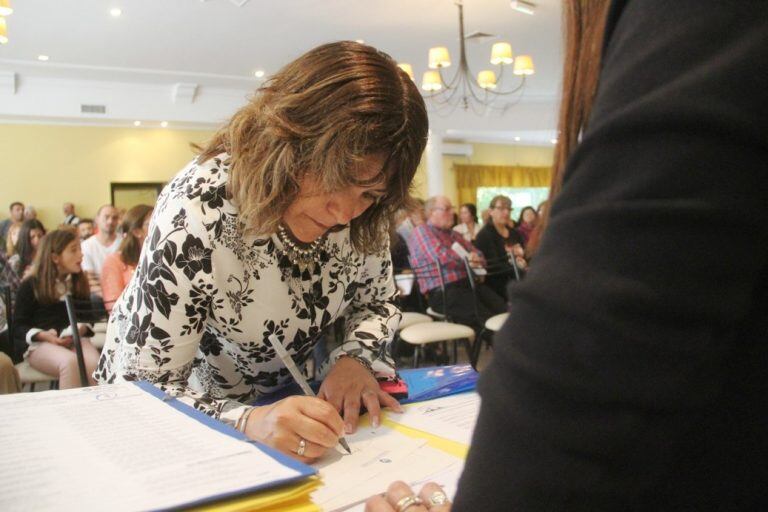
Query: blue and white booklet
[126,447]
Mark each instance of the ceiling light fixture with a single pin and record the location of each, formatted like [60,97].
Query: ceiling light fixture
[523,6]
[116,12]
[137,123]
[3,31]
[464,90]
[164,124]
[259,73]
[517,139]
[5,8]
[43,58]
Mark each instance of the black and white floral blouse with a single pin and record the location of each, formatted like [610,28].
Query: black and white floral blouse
[204,298]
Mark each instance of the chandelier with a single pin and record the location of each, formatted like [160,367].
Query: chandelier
[466,90]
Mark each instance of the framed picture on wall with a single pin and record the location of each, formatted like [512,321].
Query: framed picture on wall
[128,195]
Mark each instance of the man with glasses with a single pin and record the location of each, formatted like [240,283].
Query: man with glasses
[432,242]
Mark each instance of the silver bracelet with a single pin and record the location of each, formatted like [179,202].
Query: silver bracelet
[243,421]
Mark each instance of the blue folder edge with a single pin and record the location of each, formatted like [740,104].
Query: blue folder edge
[438,381]
[303,469]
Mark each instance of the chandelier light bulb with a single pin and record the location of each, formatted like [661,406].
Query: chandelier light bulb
[501,53]
[3,31]
[439,57]
[431,81]
[5,8]
[523,65]
[407,68]
[486,79]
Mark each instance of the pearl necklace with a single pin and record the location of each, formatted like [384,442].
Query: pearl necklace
[304,258]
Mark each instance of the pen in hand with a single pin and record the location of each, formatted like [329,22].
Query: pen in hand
[297,376]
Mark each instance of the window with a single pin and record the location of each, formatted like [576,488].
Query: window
[520,196]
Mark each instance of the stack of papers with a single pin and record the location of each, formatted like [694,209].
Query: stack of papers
[122,448]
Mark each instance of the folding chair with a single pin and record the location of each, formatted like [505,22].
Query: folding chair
[440,331]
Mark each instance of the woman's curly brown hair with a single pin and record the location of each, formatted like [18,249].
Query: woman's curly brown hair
[322,114]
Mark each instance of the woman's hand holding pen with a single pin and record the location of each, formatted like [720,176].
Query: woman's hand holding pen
[294,422]
[349,385]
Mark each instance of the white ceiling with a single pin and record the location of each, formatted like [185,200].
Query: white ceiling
[217,45]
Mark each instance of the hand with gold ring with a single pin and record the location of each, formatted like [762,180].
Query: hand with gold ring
[300,426]
[401,498]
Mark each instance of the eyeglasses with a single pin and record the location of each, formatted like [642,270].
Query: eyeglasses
[502,208]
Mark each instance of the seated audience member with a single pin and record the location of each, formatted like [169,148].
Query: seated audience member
[9,377]
[30,212]
[468,227]
[41,314]
[85,229]
[498,243]
[526,223]
[15,218]
[12,240]
[401,264]
[70,217]
[19,264]
[414,217]
[97,247]
[431,242]
[119,266]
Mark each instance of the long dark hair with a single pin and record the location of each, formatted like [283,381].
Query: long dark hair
[24,244]
[472,210]
[321,115]
[584,22]
[45,273]
[130,247]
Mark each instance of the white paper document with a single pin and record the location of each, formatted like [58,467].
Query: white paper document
[117,448]
[379,457]
[452,417]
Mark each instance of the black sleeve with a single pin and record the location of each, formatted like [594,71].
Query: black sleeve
[24,310]
[486,243]
[626,377]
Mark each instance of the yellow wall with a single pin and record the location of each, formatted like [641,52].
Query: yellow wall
[46,165]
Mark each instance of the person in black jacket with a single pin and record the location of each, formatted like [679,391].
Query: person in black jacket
[41,320]
[634,379]
[499,244]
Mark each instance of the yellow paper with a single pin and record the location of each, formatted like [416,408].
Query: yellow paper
[292,498]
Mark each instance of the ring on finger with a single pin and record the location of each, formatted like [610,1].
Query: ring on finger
[407,502]
[302,447]
[438,498]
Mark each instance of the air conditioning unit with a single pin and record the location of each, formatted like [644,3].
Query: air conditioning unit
[454,149]
[93,109]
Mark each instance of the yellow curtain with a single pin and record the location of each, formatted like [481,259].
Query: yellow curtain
[470,177]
